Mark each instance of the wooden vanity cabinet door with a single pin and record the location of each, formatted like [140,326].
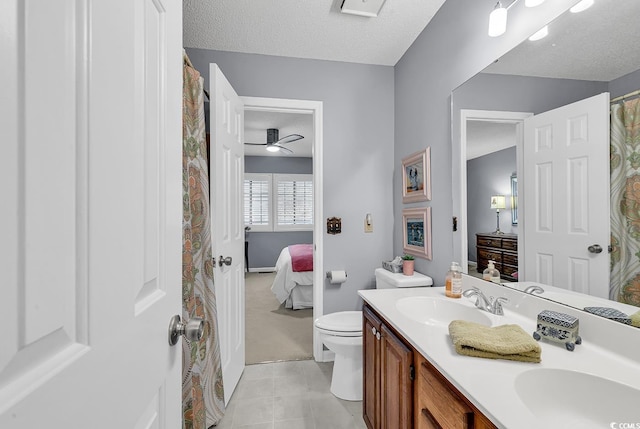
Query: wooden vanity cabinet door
[396,385]
[371,369]
[437,406]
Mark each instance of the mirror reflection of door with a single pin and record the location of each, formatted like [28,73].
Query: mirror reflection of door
[566,192]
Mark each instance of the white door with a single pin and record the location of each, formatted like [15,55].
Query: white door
[566,180]
[90,219]
[227,165]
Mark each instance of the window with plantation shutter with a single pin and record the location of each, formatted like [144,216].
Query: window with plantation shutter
[257,202]
[278,202]
[294,202]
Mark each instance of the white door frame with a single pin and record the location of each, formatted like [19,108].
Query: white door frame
[516,118]
[313,108]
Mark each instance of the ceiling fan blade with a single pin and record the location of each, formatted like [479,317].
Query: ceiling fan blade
[283,149]
[257,144]
[290,138]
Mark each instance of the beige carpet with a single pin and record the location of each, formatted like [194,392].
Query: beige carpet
[274,333]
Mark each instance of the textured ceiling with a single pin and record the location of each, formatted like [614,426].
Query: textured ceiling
[600,44]
[306,28]
[255,131]
[485,137]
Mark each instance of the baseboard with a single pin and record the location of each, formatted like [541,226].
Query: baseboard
[262,270]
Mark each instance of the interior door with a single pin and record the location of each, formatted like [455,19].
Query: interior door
[566,191]
[227,165]
[90,174]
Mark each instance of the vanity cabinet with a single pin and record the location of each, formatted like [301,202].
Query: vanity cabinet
[438,403]
[388,376]
[501,248]
[403,390]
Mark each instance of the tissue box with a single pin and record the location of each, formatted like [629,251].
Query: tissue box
[558,327]
[390,266]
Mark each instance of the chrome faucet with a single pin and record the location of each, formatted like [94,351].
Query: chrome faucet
[490,305]
[534,289]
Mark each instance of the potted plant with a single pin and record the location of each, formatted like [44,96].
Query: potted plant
[407,264]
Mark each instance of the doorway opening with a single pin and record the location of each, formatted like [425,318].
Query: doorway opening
[275,332]
[473,124]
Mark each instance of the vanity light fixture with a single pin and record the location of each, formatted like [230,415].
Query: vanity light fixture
[498,202]
[498,20]
[583,5]
[540,34]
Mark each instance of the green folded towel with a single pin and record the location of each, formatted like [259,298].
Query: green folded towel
[509,342]
[635,319]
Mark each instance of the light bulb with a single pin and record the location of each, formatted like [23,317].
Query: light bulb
[533,3]
[498,21]
[583,5]
[540,34]
[272,148]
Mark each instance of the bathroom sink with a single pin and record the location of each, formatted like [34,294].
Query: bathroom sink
[439,311]
[564,398]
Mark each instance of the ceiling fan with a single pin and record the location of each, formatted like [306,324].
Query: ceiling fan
[274,143]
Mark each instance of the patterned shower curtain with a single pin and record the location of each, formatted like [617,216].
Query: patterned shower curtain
[202,390]
[625,202]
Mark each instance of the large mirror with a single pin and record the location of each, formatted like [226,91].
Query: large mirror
[584,54]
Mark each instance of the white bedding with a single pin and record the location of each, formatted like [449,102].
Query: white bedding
[295,289]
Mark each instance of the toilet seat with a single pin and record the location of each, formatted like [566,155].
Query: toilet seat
[341,324]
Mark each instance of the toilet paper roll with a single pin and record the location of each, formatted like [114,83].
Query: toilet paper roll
[337,276]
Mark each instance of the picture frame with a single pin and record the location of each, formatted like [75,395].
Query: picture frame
[416,177]
[416,226]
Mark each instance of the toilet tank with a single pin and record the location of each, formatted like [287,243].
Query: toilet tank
[387,280]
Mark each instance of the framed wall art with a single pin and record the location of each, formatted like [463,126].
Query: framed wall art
[416,177]
[416,225]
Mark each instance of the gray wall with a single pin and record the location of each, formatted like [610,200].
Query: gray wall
[486,176]
[452,48]
[625,84]
[265,247]
[520,93]
[358,133]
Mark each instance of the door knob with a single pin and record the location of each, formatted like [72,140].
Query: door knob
[595,248]
[224,261]
[192,330]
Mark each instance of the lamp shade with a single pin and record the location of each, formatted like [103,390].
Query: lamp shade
[498,202]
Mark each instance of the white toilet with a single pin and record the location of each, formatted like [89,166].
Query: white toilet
[341,332]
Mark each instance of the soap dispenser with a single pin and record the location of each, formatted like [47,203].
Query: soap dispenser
[453,281]
[491,274]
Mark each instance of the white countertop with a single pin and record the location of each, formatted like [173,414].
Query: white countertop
[609,350]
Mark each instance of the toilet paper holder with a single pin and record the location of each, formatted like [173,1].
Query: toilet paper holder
[329,276]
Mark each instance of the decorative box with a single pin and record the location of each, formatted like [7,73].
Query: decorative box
[609,313]
[558,327]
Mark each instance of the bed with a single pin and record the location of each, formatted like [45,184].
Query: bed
[293,288]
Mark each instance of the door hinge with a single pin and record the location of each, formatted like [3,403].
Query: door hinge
[412,372]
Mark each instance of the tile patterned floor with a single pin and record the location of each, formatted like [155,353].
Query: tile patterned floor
[289,395]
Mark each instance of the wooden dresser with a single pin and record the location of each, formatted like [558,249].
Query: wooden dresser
[501,248]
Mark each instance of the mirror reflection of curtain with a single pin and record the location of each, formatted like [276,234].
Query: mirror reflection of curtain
[625,202]
[202,389]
